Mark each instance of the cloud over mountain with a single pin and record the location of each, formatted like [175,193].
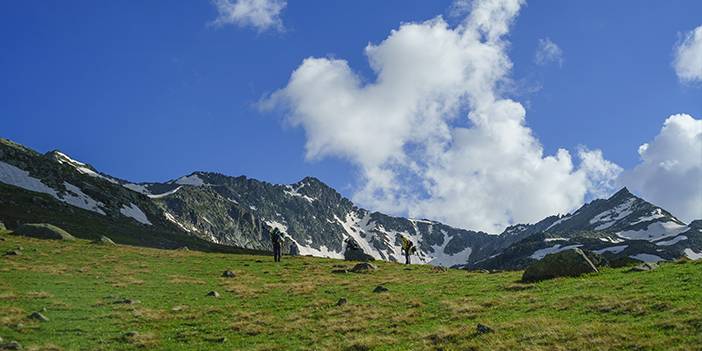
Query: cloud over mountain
[407,131]
[670,172]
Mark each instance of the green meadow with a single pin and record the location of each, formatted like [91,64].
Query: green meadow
[101,297]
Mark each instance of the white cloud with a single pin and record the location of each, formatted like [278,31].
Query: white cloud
[260,14]
[548,52]
[670,172]
[405,132]
[688,57]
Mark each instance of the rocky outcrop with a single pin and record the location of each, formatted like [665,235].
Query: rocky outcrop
[43,231]
[570,263]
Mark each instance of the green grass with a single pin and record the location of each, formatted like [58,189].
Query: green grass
[292,305]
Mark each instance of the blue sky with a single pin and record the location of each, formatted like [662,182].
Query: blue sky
[149,91]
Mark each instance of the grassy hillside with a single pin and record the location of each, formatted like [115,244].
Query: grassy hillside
[292,305]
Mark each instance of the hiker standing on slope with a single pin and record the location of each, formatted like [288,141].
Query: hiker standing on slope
[408,249]
[277,241]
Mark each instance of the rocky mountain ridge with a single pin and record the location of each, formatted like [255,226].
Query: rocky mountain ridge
[240,212]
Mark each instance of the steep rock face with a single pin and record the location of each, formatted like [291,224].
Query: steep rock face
[310,214]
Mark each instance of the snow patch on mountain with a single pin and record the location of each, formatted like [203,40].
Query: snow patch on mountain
[172,218]
[440,258]
[647,257]
[654,231]
[138,188]
[80,166]
[559,221]
[541,253]
[12,175]
[158,196]
[613,249]
[192,179]
[656,214]
[608,218]
[18,177]
[673,241]
[692,255]
[295,192]
[75,197]
[135,212]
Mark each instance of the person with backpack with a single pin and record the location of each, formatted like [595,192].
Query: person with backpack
[408,249]
[277,242]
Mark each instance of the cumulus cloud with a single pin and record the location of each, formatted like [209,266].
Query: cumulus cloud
[670,171]
[548,52]
[688,57]
[407,132]
[260,14]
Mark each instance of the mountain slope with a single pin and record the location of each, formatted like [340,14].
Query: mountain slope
[212,210]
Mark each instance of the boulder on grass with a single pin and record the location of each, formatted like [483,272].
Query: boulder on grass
[364,267]
[43,231]
[569,263]
[2,227]
[354,252]
[103,240]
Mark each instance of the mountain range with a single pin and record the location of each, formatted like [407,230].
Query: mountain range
[215,212]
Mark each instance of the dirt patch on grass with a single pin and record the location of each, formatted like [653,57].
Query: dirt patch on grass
[181,279]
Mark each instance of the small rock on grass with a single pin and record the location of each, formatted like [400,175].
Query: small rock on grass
[228,274]
[380,288]
[131,334]
[127,302]
[342,301]
[12,345]
[339,271]
[213,293]
[483,329]
[38,316]
[13,253]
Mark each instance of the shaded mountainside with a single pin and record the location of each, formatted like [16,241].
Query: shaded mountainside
[213,211]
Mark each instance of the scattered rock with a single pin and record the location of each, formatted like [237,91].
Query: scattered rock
[103,240]
[569,263]
[228,274]
[339,271]
[2,228]
[38,316]
[380,288]
[407,268]
[184,248]
[483,329]
[644,267]
[13,253]
[439,269]
[213,293]
[12,345]
[364,267]
[127,302]
[131,334]
[259,261]
[43,231]
[342,301]
[483,271]
[2,238]
[219,340]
